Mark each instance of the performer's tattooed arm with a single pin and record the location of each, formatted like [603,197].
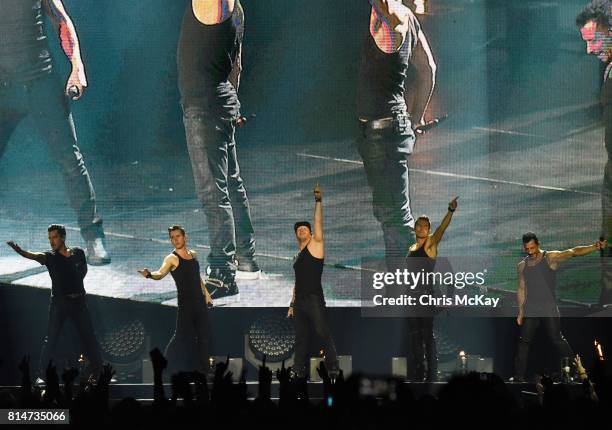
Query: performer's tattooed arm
[437,236]
[555,257]
[520,294]
[422,87]
[389,24]
[211,12]
[36,256]
[70,45]
[170,262]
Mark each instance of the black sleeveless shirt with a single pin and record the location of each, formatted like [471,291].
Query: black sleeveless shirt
[540,281]
[187,279]
[419,261]
[24,52]
[308,273]
[206,56]
[380,91]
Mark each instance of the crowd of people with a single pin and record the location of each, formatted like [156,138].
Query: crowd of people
[355,402]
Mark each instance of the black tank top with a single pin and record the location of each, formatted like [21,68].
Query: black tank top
[380,91]
[24,52]
[187,279]
[418,261]
[540,282]
[206,56]
[308,273]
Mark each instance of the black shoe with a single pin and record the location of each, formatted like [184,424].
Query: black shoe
[221,284]
[96,252]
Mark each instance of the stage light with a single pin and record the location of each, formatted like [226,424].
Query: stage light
[272,336]
[124,341]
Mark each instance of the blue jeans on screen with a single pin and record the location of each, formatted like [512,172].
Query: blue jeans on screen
[219,186]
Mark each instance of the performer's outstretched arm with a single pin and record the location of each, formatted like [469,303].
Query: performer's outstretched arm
[170,262]
[520,294]
[561,256]
[36,256]
[437,236]
[70,44]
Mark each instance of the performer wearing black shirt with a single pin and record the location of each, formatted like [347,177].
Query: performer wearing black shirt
[209,66]
[422,257]
[308,303]
[595,23]
[536,296]
[67,268]
[30,86]
[193,298]
[393,43]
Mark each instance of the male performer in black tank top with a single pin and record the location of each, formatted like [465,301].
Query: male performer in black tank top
[394,42]
[536,296]
[422,256]
[67,268]
[30,86]
[595,23]
[209,65]
[193,299]
[308,303]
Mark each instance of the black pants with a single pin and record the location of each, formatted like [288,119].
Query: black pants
[75,309]
[423,356]
[385,160]
[310,314]
[43,100]
[552,326]
[219,186]
[191,330]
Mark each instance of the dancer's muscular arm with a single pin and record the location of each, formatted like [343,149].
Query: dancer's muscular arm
[211,12]
[36,256]
[520,294]
[422,88]
[70,44]
[437,236]
[317,245]
[170,263]
[555,257]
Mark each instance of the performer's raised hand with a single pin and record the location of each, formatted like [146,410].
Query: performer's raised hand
[145,272]
[601,244]
[453,204]
[317,192]
[13,245]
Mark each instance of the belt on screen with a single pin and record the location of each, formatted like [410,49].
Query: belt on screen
[377,124]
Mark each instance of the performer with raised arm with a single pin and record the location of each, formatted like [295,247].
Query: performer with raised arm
[422,258]
[394,43]
[29,86]
[308,303]
[209,67]
[193,300]
[67,268]
[536,297]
